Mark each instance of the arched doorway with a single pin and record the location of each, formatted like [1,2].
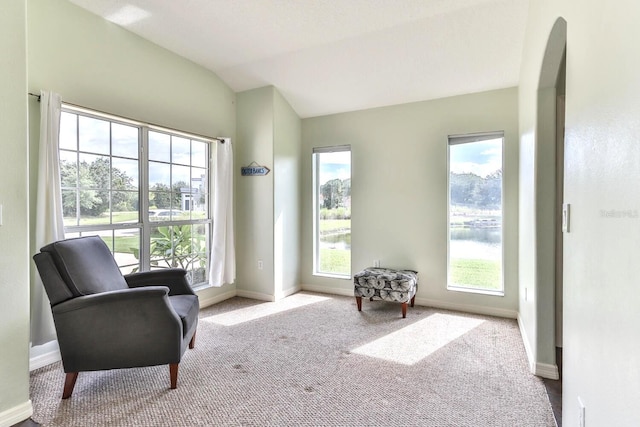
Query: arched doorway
[549,171]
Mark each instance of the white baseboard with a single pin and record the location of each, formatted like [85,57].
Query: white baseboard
[468,308]
[255,295]
[16,414]
[287,292]
[527,346]
[249,294]
[543,370]
[546,370]
[43,355]
[206,302]
[327,290]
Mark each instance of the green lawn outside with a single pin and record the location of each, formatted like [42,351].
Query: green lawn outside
[124,217]
[327,225]
[335,261]
[476,273]
[472,273]
[118,218]
[123,244]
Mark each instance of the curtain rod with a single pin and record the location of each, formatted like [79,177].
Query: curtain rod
[220,140]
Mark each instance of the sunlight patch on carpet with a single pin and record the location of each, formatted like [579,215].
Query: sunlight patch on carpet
[258,311]
[413,343]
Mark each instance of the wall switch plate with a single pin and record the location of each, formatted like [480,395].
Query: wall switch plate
[376,263]
[260,264]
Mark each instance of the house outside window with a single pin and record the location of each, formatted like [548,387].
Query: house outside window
[144,190]
[332,211]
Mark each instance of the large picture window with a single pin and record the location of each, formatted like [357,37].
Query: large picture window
[332,211]
[475,212]
[143,189]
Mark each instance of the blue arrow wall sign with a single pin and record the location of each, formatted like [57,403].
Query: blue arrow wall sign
[254,169]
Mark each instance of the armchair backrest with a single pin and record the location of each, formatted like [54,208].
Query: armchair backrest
[85,266]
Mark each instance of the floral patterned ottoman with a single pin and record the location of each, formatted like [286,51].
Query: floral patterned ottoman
[386,284]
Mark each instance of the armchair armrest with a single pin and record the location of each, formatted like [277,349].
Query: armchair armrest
[116,329]
[148,296]
[173,278]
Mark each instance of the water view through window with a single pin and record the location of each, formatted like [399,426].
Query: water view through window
[332,216]
[475,212]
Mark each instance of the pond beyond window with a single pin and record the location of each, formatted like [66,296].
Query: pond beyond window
[332,211]
[475,213]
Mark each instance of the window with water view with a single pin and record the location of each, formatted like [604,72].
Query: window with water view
[332,210]
[475,212]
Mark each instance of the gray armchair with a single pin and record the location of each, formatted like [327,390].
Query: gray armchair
[105,320]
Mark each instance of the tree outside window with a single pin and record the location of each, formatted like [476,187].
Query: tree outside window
[332,216]
[475,213]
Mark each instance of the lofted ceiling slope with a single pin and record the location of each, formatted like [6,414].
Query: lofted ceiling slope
[332,56]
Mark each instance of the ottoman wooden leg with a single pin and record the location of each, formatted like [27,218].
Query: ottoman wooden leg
[413,300]
[404,310]
[359,303]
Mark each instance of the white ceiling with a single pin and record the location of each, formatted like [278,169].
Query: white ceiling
[331,56]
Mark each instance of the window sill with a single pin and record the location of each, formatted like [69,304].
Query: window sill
[201,286]
[332,276]
[476,291]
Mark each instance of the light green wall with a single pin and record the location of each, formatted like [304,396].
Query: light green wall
[286,181]
[602,154]
[96,64]
[14,231]
[268,225]
[399,191]
[254,198]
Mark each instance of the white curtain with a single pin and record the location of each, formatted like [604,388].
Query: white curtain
[49,220]
[223,253]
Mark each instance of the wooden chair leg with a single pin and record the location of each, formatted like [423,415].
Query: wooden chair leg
[192,343]
[404,310]
[69,383]
[173,371]
[359,303]
[413,301]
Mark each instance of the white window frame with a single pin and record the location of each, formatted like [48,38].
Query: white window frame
[144,224]
[454,140]
[316,209]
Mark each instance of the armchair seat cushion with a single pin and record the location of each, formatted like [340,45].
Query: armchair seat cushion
[187,307]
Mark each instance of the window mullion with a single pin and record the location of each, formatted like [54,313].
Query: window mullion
[316,213]
[77,153]
[145,237]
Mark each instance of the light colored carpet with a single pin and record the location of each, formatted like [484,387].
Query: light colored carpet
[314,360]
